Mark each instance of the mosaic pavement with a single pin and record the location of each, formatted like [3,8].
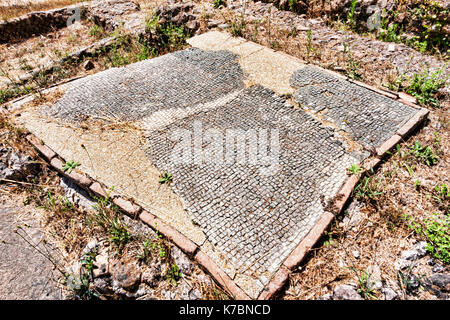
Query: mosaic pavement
[299,129]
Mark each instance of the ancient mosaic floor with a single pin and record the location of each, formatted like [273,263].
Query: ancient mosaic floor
[247,216]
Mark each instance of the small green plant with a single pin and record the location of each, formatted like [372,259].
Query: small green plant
[365,287]
[329,239]
[407,281]
[354,169]
[70,165]
[309,44]
[436,230]
[119,234]
[424,154]
[165,178]
[88,260]
[146,253]
[417,183]
[423,86]
[219,3]
[166,36]
[352,67]
[351,16]
[96,31]
[237,28]
[442,193]
[159,245]
[368,189]
[174,274]
[80,284]
[293,5]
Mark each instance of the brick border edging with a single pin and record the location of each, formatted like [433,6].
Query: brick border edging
[136,211]
[281,277]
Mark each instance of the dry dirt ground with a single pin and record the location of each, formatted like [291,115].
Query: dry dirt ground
[24,274]
[367,239]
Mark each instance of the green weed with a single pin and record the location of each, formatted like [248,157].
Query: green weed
[436,231]
[174,274]
[424,154]
[165,178]
[70,165]
[354,169]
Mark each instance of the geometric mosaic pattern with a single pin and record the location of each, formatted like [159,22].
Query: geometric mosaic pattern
[370,118]
[252,219]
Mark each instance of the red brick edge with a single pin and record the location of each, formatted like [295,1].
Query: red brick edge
[135,211]
[190,248]
[280,278]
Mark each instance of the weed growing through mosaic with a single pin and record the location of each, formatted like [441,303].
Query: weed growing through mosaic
[165,178]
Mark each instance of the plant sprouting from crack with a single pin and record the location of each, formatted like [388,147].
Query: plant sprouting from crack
[165,178]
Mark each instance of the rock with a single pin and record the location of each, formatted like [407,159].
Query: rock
[391,47]
[111,14]
[88,65]
[325,297]
[126,275]
[355,253]
[102,285]
[213,23]
[440,280]
[101,264]
[15,166]
[223,26]
[168,295]
[91,245]
[75,194]
[179,13]
[204,279]
[410,255]
[378,285]
[401,264]
[190,294]
[346,292]
[152,274]
[421,248]
[182,261]
[437,268]
[192,25]
[389,294]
